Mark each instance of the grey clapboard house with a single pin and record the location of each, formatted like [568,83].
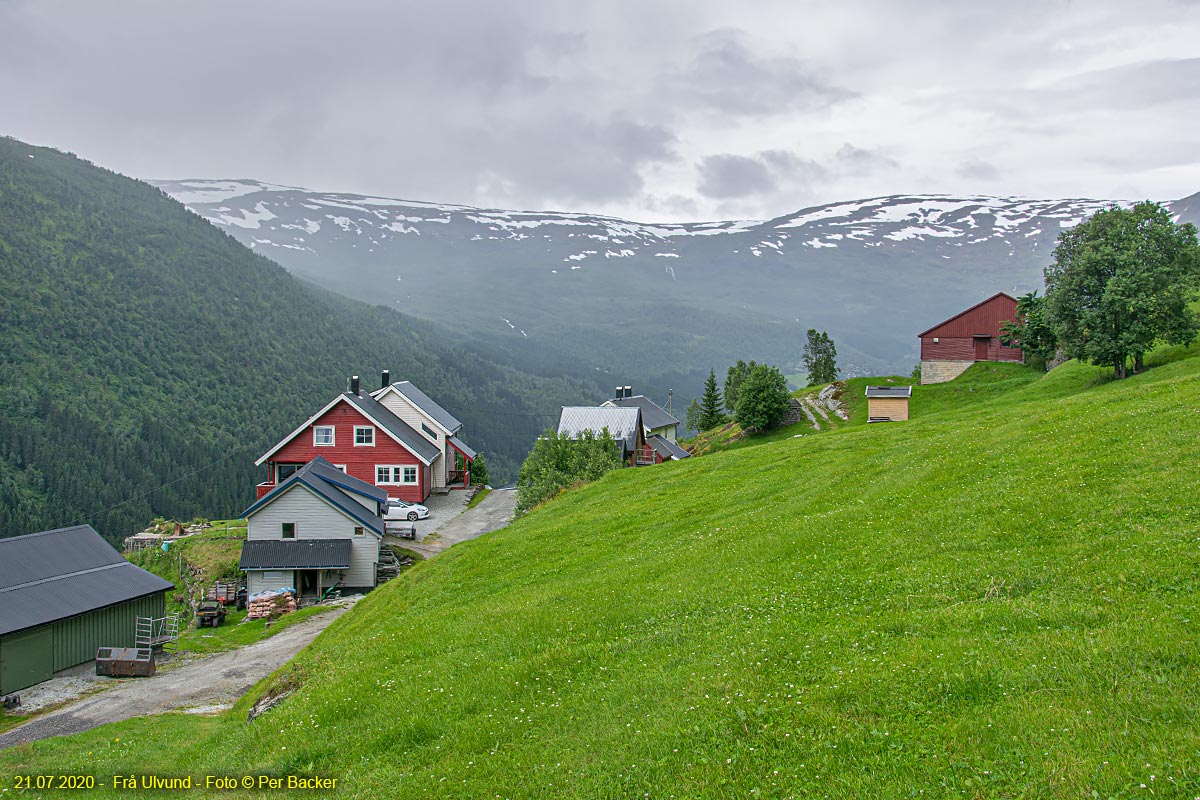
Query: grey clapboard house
[318,528]
[64,593]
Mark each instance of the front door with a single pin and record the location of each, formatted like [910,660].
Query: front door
[308,583]
[981,348]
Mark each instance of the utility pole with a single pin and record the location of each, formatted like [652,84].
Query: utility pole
[671,402]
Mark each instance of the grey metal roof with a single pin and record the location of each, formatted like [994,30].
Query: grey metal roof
[622,423]
[426,404]
[295,554]
[461,445]
[653,415]
[889,391]
[331,474]
[667,448]
[316,477]
[425,450]
[52,575]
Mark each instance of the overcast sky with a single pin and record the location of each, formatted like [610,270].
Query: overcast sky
[647,110]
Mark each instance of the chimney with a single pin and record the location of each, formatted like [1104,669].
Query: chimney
[629,391]
[354,386]
[385,379]
[617,393]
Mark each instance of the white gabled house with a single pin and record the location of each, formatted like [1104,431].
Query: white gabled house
[452,466]
[316,529]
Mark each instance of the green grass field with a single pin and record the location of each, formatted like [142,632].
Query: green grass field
[996,599]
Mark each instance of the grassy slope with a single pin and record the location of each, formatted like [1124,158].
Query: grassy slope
[996,599]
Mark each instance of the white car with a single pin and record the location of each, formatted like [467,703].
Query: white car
[397,509]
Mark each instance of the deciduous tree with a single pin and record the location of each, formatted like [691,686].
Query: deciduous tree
[1122,281]
[820,358]
[763,399]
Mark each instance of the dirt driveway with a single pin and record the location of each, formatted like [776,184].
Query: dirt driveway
[493,512]
[214,681]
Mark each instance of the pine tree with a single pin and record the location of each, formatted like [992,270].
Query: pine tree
[710,404]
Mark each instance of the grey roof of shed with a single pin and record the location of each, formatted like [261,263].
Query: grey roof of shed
[667,448]
[426,404]
[424,449]
[622,423]
[53,575]
[325,481]
[889,391]
[653,415]
[295,554]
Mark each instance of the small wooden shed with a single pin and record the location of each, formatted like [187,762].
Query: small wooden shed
[888,403]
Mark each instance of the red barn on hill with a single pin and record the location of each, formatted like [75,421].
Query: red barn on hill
[950,347]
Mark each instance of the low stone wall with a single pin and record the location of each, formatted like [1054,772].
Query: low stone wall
[942,371]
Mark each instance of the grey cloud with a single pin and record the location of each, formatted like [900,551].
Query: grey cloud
[723,176]
[1135,86]
[727,77]
[978,170]
[858,161]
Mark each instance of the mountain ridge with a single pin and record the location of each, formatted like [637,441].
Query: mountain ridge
[590,292]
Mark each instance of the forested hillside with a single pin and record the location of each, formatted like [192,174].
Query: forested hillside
[148,358]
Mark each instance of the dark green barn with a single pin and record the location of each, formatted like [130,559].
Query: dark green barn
[63,593]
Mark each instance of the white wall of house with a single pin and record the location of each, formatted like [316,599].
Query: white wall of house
[316,519]
[666,431]
[399,405]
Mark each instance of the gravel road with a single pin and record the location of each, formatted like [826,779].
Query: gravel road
[213,683]
[493,512]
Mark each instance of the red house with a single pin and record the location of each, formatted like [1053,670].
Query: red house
[366,439]
[950,347]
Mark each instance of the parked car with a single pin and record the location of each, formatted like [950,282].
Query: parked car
[401,509]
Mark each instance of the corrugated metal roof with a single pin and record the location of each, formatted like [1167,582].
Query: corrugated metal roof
[889,391]
[426,404]
[424,449]
[622,423]
[667,448]
[653,415]
[331,474]
[295,554]
[62,573]
[462,447]
[324,480]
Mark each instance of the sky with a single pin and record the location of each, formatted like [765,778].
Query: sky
[653,111]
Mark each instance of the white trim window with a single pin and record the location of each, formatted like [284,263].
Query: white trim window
[323,435]
[340,467]
[395,475]
[364,436]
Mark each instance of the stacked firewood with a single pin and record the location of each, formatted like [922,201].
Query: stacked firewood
[271,603]
[390,565]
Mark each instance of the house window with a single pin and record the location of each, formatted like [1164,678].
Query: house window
[428,431]
[322,436]
[289,530]
[395,475]
[358,530]
[364,436]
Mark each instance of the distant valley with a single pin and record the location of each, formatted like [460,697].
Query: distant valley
[657,304]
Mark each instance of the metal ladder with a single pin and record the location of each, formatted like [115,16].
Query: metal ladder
[143,638]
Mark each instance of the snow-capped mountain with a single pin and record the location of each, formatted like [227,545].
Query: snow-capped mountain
[672,297]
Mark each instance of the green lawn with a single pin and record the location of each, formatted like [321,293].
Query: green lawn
[238,631]
[999,598]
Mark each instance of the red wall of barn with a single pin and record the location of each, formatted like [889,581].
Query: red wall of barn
[360,461]
[956,336]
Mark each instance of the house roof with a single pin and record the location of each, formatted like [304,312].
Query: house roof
[400,430]
[622,423]
[424,402]
[889,391]
[331,474]
[667,448]
[52,575]
[459,445]
[967,311]
[326,482]
[653,415]
[393,426]
[295,554]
